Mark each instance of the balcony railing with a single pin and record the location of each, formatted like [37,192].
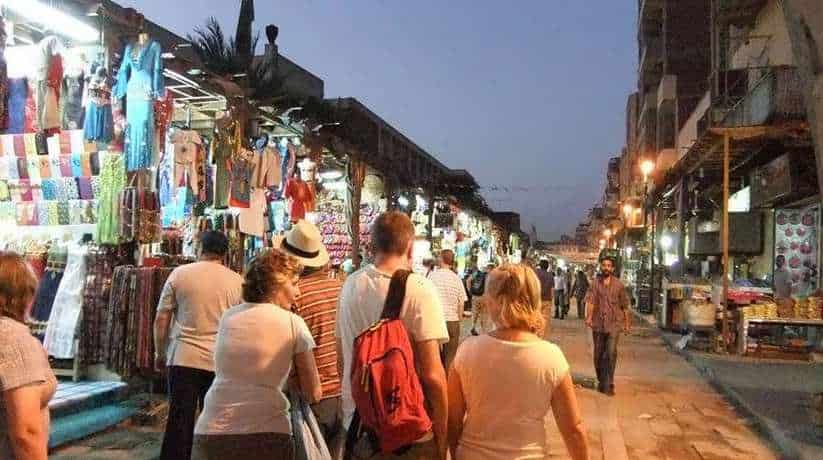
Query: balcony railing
[776,97]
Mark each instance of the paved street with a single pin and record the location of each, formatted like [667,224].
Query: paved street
[663,409]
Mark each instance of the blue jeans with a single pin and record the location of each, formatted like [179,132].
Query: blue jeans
[605,358]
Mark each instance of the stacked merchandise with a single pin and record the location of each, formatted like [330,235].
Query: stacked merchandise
[808,308]
[333,227]
[135,292]
[53,181]
[760,310]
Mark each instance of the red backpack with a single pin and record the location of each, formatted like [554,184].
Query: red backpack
[385,386]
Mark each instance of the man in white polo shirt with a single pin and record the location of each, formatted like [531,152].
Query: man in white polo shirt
[194,298]
[452,297]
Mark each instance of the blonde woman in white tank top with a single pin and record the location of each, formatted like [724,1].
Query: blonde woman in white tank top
[503,385]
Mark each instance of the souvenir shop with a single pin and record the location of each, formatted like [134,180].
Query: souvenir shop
[463,231]
[109,158]
[774,228]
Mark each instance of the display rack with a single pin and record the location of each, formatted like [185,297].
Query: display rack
[744,324]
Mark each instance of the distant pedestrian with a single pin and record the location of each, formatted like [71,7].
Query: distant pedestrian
[361,305]
[27,382]
[782,279]
[317,303]
[546,278]
[481,322]
[193,299]
[579,290]
[503,385]
[559,294]
[259,343]
[452,297]
[608,316]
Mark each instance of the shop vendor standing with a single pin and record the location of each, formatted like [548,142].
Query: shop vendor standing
[193,300]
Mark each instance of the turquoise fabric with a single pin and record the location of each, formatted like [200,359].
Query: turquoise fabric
[140,81]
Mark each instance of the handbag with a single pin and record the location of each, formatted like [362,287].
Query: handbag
[308,439]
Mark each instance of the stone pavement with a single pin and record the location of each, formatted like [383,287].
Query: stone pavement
[664,409]
[778,394]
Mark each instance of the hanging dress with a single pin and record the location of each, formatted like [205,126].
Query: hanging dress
[49,81]
[62,324]
[18,95]
[98,124]
[140,81]
[72,95]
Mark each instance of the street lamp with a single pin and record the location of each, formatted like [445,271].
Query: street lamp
[646,167]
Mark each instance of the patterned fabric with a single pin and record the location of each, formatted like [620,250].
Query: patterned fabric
[100,265]
[317,305]
[135,292]
[112,181]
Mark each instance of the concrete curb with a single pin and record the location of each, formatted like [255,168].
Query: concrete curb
[775,436]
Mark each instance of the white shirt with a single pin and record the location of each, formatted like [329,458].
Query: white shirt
[560,282]
[508,388]
[197,294]
[256,345]
[451,291]
[361,303]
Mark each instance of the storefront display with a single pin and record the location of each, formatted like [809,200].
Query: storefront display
[796,239]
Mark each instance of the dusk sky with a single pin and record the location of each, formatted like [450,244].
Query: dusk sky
[528,96]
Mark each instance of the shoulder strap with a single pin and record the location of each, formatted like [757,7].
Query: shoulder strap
[397,292]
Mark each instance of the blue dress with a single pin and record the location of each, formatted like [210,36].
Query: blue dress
[16,105]
[98,123]
[140,80]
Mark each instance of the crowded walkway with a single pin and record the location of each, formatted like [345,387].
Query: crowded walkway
[663,409]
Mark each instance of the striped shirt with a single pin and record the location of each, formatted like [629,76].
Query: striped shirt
[317,305]
[451,290]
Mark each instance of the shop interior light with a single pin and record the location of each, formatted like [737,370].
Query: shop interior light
[403,202]
[53,19]
[629,251]
[627,209]
[666,241]
[332,174]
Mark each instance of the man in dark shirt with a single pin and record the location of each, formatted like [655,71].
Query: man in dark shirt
[546,285]
[608,315]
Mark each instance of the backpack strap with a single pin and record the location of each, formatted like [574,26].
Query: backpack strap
[397,292]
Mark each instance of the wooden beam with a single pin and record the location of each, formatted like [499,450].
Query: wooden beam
[754,132]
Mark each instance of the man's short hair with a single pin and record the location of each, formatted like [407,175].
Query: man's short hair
[214,243]
[447,257]
[392,233]
[610,259]
[544,264]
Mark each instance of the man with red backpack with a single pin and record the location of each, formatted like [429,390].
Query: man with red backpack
[379,382]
